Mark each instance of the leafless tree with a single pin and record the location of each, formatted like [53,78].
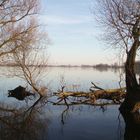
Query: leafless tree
[21,39]
[121,20]
[16,21]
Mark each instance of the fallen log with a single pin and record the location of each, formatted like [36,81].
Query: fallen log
[92,98]
[116,95]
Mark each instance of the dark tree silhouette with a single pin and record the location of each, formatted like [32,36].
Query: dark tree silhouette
[121,19]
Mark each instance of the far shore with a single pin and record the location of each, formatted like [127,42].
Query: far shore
[82,66]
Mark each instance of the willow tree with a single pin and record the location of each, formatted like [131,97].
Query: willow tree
[21,38]
[121,19]
[16,23]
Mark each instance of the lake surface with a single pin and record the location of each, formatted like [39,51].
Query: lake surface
[80,122]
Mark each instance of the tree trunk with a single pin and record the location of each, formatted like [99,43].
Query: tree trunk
[131,81]
[132,87]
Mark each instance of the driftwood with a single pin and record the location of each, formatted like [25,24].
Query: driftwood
[91,97]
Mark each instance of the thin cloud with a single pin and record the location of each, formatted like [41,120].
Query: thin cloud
[64,20]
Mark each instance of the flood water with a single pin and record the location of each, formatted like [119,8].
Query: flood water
[51,122]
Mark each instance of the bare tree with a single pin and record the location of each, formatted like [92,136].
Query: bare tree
[31,65]
[21,40]
[16,21]
[121,19]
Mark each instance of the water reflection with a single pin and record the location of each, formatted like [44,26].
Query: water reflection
[132,126]
[129,131]
[86,123]
[77,122]
[82,122]
[20,124]
[70,109]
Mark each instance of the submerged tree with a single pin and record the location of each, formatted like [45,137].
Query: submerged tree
[21,40]
[122,21]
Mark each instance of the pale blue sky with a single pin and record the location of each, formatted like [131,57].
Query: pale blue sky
[73,33]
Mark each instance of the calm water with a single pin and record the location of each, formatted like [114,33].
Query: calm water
[81,122]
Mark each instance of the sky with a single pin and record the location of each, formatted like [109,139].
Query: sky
[73,33]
